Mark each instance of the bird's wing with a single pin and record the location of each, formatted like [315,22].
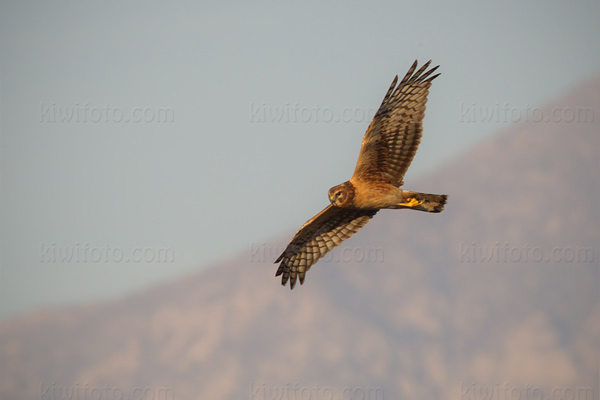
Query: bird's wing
[393,136]
[318,236]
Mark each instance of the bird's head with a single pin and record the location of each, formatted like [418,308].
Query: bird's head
[341,195]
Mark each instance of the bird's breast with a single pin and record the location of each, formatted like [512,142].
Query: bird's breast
[375,195]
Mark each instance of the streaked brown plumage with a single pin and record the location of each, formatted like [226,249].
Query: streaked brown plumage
[387,149]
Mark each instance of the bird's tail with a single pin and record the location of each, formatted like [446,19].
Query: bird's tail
[433,203]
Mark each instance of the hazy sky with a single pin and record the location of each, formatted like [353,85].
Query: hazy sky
[143,140]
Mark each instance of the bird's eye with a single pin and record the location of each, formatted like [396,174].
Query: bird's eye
[338,194]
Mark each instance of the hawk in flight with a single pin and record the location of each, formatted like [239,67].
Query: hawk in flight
[387,150]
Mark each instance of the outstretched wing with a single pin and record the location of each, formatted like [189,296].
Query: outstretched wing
[318,236]
[391,141]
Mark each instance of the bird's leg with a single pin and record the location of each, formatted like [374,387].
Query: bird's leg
[413,202]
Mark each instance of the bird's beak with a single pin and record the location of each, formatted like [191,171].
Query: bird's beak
[331,199]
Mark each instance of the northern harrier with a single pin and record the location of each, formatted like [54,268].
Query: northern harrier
[387,150]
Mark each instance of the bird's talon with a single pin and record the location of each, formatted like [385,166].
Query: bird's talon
[412,203]
[415,202]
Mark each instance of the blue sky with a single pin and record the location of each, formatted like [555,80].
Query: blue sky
[153,132]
